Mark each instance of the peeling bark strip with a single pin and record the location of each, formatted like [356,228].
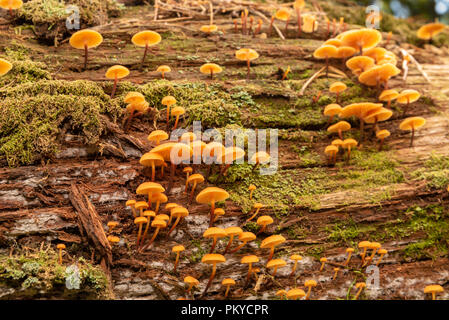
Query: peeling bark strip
[90,225]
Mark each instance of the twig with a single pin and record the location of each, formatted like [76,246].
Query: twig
[316,75]
[418,66]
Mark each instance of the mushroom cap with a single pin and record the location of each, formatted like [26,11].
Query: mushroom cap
[179,211]
[412,123]
[344,52]
[252,187]
[337,142]
[60,246]
[209,28]
[295,293]
[140,220]
[246,54]
[171,205]
[260,157]
[433,288]
[178,248]
[213,258]
[325,51]
[378,74]
[375,245]
[428,31]
[388,95]
[112,224]
[258,205]
[382,134]
[198,178]
[310,283]
[360,63]
[276,263]
[334,42]
[141,205]
[187,170]
[377,53]
[331,149]
[159,197]
[299,4]
[134,97]
[178,111]
[231,154]
[150,158]
[208,68]
[383,251]
[191,280]
[337,87]
[212,194]
[164,150]
[364,244]
[408,95]
[219,212]
[162,217]
[113,239]
[146,38]
[272,241]
[11,4]
[168,100]
[295,257]
[282,14]
[214,232]
[158,223]
[247,236]
[360,110]
[323,259]
[117,71]
[213,149]
[163,68]
[149,214]
[359,285]
[349,143]
[282,292]
[381,115]
[86,37]
[249,259]
[361,38]
[228,282]
[233,231]
[332,109]
[157,135]
[149,187]
[140,107]
[5,66]
[131,203]
[264,220]
[339,126]
[349,250]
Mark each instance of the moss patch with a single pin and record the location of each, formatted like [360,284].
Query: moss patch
[435,172]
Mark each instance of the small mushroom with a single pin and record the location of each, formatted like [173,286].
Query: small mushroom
[247,55]
[152,159]
[86,39]
[159,198]
[146,39]
[381,135]
[323,262]
[230,155]
[187,171]
[168,101]
[211,69]
[177,112]
[309,284]
[147,214]
[157,136]
[141,205]
[139,221]
[298,5]
[213,259]
[296,258]
[310,24]
[407,97]
[177,249]
[335,273]
[178,213]
[360,286]
[212,195]
[208,29]
[259,158]
[331,111]
[412,124]
[163,70]
[430,30]
[388,96]
[378,116]
[132,203]
[194,179]
[349,251]
[251,190]
[331,151]
[11,5]
[113,239]
[111,225]
[283,14]
[325,52]
[378,75]
[158,224]
[218,212]
[339,127]
[116,72]
[264,221]
[295,294]
[169,207]
[231,232]
[282,294]
[275,264]
[244,237]
[249,260]
[271,242]
[361,39]
[149,188]
[382,252]
[364,245]
[60,247]
[374,246]
[348,144]
[433,289]
[337,88]
[214,233]
[360,64]
[191,281]
[256,207]
[228,282]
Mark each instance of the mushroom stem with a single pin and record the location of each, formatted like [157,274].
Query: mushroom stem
[211,74]
[380,258]
[335,275]
[163,74]
[253,216]
[114,88]
[338,97]
[340,134]
[193,191]
[158,203]
[227,291]
[153,171]
[11,13]
[327,67]
[168,115]
[308,293]
[172,176]
[176,262]
[60,256]
[349,258]
[213,245]
[144,55]
[274,271]
[231,238]
[138,235]
[251,194]
[145,232]
[294,268]
[322,266]
[413,136]
[178,218]
[271,253]
[214,270]
[363,255]
[176,122]
[154,237]
[286,26]
[86,55]
[262,229]
[381,144]
[238,247]
[298,14]
[358,293]
[212,214]
[362,129]
[349,153]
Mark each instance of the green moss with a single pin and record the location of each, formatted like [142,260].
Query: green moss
[39,274]
[435,172]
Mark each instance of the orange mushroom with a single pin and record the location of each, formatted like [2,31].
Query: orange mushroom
[298,5]
[151,159]
[212,259]
[178,213]
[212,195]
[247,55]
[5,67]
[85,39]
[381,135]
[361,39]
[331,151]
[168,101]
[331,110]
[337,88]
[231,232]
[360,64]
[339,127]
[406,97]
[177,112]
[157,136]
[163,70]
[214,233]
[146,39]
[412,124]
[326,52]
[244,237]
[116,72]
[430,30]
[379,75]
[11,5]
[271,242]
[211,69]
[283,14]
[388,96]
[194,179]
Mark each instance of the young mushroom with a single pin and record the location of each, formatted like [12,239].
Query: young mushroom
[116,72]
[153,160]
[141,206]
[275,264]
[251,189]
[282,294]
[146,39]
[309,284]
[298,5]
[295,294]
[249,260]
[149,188]
[247,55]
[374,246]
[5,66]
[323,262]
[325,52]
[331,151]
[264,221]
[178,213]
[310,24]
[382,252]
[218,212]
[430,30]
[331,110]
[60,247]
[244,237]
[187,171]
[111,225]
[191,281]
[339,127]
[407,97]
[228,282]
[412,124]
[337,88]
[272,242]
[256,207]
[159,198]
[388,96]
[163,70]
[335,273]
[296,258]
[177,112]
[283,14]
[86,39]
[147,214]
[158,224]
[177,249]
[211,69]
[214,233]
[113,239]
[157,136]
[231,232]
[433,289]
[212,259]
[349,251]
[364,245]
[194,179]
[139,221]
[131,203]
[360,286]
[211,195]
[360,64]
[208,29]
[168,101]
